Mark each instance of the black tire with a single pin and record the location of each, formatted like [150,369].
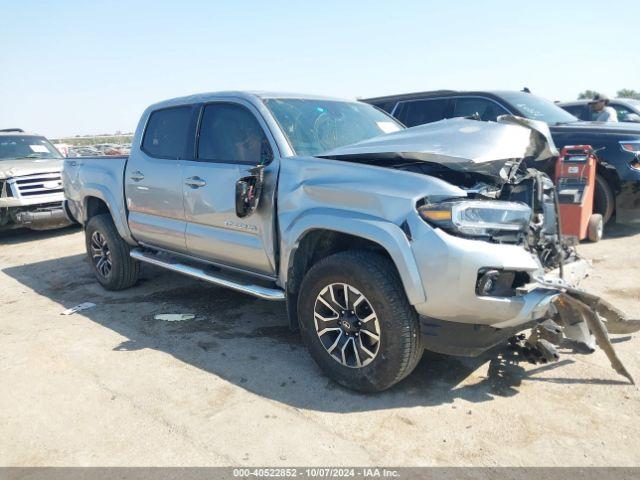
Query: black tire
[595,228]
[604,201]
[375,277]
[124,271]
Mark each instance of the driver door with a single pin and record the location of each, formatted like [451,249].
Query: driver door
[232,140]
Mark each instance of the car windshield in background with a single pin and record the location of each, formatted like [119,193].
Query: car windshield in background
[537,108]
[26,146]
[316,126]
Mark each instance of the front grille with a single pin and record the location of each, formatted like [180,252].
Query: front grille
[37,185]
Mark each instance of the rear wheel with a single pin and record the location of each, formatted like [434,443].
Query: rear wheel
[357,322]
[604,201]
[109,255]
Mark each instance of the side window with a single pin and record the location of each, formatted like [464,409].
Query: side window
[231,134]
[484,108]
[622,111]
[166,133]
[578,111]
[417,112]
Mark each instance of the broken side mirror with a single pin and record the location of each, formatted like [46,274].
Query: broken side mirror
[248,192]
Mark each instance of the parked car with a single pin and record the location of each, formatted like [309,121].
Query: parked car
[31,191]
[83,151]
[618,144]
[382,241]
[628,109]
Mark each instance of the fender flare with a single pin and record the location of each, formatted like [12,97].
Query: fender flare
[116,209]
[386,234]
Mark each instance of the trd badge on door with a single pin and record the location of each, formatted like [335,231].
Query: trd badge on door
[240,226]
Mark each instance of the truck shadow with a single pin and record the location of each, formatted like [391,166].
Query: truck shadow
[247,342]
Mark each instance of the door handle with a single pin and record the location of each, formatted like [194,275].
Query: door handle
[136,176]
[195,182]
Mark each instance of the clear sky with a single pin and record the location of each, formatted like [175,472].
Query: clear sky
[84,67]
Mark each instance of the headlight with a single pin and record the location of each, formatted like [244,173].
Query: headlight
[477,217]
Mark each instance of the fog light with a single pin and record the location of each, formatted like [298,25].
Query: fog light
[486,282]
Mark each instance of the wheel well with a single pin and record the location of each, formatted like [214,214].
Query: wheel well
[95,206]
[313,247]
[318,244]
[610,174]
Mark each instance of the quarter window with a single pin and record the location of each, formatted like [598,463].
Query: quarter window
[622,111]
[231,134]
[167,132]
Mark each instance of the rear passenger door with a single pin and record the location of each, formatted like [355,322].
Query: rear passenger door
[232,139]
[582,112]
[484,108]
[417,112]
[153,178]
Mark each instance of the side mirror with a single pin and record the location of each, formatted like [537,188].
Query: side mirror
[248,192]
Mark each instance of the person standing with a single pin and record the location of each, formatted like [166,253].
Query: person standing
[604,113]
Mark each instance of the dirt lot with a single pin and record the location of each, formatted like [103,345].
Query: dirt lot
[112,386]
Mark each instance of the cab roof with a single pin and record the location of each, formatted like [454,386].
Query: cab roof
[250,95]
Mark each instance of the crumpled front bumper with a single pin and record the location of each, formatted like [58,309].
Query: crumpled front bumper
[449,268]
[458,321]
[537,304]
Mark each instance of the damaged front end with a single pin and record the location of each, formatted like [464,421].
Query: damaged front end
[32,201]
[507,202]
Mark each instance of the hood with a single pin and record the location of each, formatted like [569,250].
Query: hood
[488,148]
[622,128]
[29,166]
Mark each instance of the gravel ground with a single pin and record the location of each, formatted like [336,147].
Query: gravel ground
[111,386]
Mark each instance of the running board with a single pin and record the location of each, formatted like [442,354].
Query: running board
[265,293]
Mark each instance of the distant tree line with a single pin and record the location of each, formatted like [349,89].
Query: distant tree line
[624,93]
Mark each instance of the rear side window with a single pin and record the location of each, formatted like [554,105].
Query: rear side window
[578,111]
[622,111]
[167,133]
[417,112]
[485,109]
[230,133]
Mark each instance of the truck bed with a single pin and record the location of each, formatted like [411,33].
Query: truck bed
[101,177]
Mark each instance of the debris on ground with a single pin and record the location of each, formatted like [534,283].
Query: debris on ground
[78,308]
[174,317]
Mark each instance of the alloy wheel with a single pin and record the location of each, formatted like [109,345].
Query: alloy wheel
[100,254]
[347,325]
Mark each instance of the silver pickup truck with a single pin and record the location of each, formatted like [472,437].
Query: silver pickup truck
[382,240]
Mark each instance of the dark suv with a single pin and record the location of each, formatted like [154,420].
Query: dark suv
[618,169]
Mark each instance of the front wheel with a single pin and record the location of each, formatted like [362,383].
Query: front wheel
[109,255]
[357,322]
